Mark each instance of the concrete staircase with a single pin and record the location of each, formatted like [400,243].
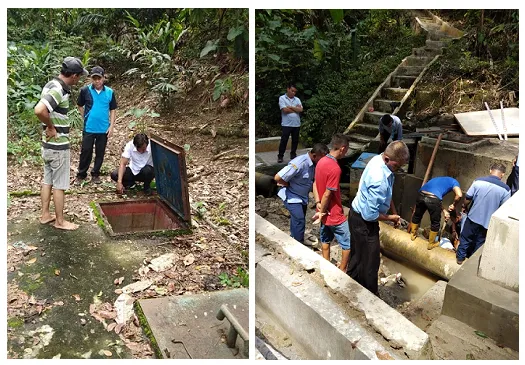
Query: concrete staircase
[392,95]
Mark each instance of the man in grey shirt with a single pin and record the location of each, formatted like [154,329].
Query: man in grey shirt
[290,106]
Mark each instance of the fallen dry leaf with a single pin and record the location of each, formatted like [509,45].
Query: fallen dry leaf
[111,327]
[189,259]
[382,355]
[296,283]
[57,272]
[83,321]
[77,297]
[119,327]
[118,291]
[107,353]
[32,261]
[60,303]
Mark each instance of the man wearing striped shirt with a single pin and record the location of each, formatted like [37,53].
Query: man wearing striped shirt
[52,111]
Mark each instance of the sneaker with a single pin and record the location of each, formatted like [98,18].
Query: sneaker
[96,179]
[147,189]
[459,262]
[279,160]
[292,157]
[79,181]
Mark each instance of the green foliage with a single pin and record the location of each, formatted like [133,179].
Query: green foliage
[335,57]
[222,87]
[138,122]
[241,279]
[200,209]
[25,149]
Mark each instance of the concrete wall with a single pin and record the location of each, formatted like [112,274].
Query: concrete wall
[463,165]
[500,259]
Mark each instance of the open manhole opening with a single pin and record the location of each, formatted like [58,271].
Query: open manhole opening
[168,213]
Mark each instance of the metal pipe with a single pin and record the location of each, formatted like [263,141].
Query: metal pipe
[265,185]
[439,261]
[234,330]
[493,121]
[503,121]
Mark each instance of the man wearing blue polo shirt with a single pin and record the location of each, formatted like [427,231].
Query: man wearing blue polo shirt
[390,126]
[97,105]
[297,178]
[486,194]
[370,205]
[430,196]
[290,106]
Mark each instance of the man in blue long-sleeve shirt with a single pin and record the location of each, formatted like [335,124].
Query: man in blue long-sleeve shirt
[371,204]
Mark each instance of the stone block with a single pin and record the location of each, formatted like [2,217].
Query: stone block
[500,260]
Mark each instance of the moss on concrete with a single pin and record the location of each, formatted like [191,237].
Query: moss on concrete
[15,322]
[98,216]
[147,330]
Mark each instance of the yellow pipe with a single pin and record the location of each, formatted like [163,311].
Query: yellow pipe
[438,261]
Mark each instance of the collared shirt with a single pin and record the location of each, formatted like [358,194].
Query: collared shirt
[290,119]
[395,129]
[55,96]
[375,190]
[487,194]
[327,177]
[440,186]
[137,160]
[299,174]
[97,105]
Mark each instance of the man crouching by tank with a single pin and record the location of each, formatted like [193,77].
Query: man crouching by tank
[136,164]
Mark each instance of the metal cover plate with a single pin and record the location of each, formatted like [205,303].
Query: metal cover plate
[480,124]
[363,159]
[169,162]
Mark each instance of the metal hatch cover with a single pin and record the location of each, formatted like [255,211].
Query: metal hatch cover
[169,162]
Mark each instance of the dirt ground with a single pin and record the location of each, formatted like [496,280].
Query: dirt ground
[217,166]
[273,210]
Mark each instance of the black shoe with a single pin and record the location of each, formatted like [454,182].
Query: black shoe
[292,157]
[279,159]
[147,189]
[96,179]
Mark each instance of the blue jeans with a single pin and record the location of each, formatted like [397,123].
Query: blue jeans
[341,233]
[472,237]
[297,220]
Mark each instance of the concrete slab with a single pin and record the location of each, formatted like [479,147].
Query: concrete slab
[270,158]
[271,144]
[453,340]
[191,320]
[395,328]
[426,309]
[483,305]
[500,260]
[479,123]
[311,316]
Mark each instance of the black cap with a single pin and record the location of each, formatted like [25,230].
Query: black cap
[74,65]
[97,71]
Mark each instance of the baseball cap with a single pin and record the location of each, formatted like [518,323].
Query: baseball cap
[97,71]
[74,65]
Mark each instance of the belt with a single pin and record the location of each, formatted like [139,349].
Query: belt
[430,195]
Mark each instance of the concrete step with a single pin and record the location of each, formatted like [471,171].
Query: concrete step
[454,340]
[426,52]
[359,138]
[417,61]
[383,105]
[392,93]
[373,117]
[435,44]
[410,70]
[438,36]
[403,81]
[356,145]
[370,130]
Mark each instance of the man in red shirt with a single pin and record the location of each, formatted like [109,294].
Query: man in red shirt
[328,200]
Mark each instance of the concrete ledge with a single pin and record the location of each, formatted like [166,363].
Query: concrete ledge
[483,305]
[272,144]
[310,316]
[395,328]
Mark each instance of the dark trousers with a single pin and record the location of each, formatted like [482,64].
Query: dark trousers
[472,237]
[145,175]
[294,131]
[514,180]
[297,220]
[433,204]
[88,140]
[386,136]
[364,256]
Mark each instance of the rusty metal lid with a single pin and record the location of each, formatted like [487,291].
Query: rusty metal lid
[169,162]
